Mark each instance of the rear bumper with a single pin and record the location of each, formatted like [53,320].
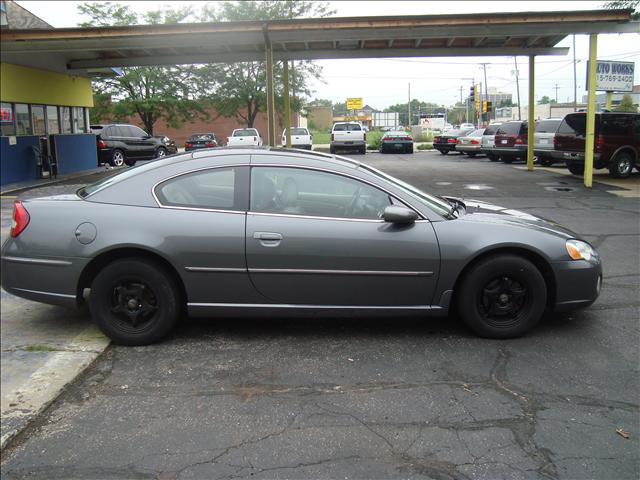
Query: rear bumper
[468,148]
[514,152]
[445,147]
[573,157]
[578,284]
[348,144]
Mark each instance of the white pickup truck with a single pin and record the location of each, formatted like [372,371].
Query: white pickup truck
[348,136]
[244,137]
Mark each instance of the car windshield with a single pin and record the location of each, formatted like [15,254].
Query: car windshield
[343,127]
[245,132]
[201,136]
[441,207]
[547,126]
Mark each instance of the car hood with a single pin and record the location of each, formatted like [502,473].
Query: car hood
[478,211]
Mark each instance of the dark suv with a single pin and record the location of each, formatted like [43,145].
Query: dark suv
[120,144]
[616,142]
[511,141]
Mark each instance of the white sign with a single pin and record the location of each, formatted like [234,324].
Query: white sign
[614,76]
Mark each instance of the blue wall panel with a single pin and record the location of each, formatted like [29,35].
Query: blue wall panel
[17,162]
[75,153]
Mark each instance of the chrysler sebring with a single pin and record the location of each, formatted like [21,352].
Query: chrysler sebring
[274,231]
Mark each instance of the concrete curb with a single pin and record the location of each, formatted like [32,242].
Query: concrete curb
[22,404]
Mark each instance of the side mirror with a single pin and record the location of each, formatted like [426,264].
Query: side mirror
[399,215]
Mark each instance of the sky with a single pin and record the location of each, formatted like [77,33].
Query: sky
[384,82]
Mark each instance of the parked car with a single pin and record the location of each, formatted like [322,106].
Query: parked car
[488,141]
[543,135]
[300,138]
[275,231]
[446,142]
[467,125]
[470,144]
[201,140]
[511,141]
[121,144]
[348,136]
[244,137]
[169,144]
[616,142]
[396,141]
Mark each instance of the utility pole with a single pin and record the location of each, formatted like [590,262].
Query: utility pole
[556,87]
[575,84]
[515,61]
[486,95]
[409,108]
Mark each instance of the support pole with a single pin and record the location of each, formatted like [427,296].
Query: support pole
[591,111]
[287,102]
[530,113]
[271,125]
[607,103]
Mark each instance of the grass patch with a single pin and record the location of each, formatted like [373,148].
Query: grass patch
[39,348]
[321,137]
[374,139]
[425,146]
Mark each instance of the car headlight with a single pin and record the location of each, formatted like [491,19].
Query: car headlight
[579,250]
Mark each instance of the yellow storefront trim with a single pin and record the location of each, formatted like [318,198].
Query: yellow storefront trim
[29,85]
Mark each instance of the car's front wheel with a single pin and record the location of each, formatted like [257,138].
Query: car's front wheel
[134,301]
[502,296]
[622,165]
[118,158]
[161,152]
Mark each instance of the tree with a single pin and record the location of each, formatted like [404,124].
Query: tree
[625,4]
[506,103]
[239,89]
[151,93]
[626,105]
[544,100]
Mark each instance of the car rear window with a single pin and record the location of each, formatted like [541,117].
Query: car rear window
[512,128]
[573,124]
[246,132]
[547,126]
[202,136]
[299,131]
[343,127]
[491,129]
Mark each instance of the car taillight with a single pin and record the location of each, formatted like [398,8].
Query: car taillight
[187,145]
[519,141]
[365,136]
[20,219]
[555,141]
[599,143]
[474,142]
[102,144]
[210,144]
[458,141]
[255,139]
[451,140]
[332,137]
[436,139]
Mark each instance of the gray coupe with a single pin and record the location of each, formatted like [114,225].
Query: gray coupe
[275,231]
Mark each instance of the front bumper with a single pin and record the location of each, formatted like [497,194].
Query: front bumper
[578,284]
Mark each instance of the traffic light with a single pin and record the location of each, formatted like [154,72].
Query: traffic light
[472,94]
[484,106]
[477,98]
[489,107]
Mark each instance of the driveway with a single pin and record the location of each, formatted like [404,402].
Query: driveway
[375,398]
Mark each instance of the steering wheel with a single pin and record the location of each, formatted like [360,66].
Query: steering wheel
[354,201]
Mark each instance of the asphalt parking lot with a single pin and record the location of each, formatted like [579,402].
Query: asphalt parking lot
[364,398]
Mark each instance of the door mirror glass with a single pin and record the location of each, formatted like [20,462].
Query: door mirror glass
[398,214]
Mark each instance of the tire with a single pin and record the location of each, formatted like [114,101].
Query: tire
[506,159]
[332,150]
[443,152]
[409,149]
[471,154]
[502,296]
[363,150]
[125,282]
[576,168]
[546,162]
[492,157]
[118,158]
[161,152]
[382,150]
[621,166]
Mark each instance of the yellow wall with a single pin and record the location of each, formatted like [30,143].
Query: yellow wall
[29,85]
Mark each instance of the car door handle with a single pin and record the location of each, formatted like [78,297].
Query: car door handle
[268,239]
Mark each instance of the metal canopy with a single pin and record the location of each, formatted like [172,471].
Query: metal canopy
[494,34]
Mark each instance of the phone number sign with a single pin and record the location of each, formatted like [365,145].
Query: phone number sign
[614,76]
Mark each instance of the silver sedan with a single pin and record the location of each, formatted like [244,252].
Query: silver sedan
[274,231]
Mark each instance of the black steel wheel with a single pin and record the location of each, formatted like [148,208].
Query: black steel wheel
[622,165]
[502,296]
[134,301]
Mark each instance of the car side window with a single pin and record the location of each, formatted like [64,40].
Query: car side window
[298,191]
[615,124]
[136,131]
[211,189]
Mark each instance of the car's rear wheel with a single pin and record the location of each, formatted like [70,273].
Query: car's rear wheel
[576,168]
[332,150]
[409,149]
[492,157]
[118,158]
[502,296]
[622,165]
[363,150]
[443,152]
[545,162]
[161,152]
[134,301]
[471,154]
[506,159]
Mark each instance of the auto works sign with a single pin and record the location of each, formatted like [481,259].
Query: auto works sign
[613,76]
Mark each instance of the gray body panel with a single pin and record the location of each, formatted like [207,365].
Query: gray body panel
[312,263]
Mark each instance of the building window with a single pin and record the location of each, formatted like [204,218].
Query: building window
[23,120]
[7,125]
[53,123]
[37,119]
[65,118]
[78,120]
[87,122]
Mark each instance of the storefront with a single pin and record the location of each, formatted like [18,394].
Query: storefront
[44,124]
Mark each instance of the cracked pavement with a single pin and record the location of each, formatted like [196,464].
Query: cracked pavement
[382,398]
